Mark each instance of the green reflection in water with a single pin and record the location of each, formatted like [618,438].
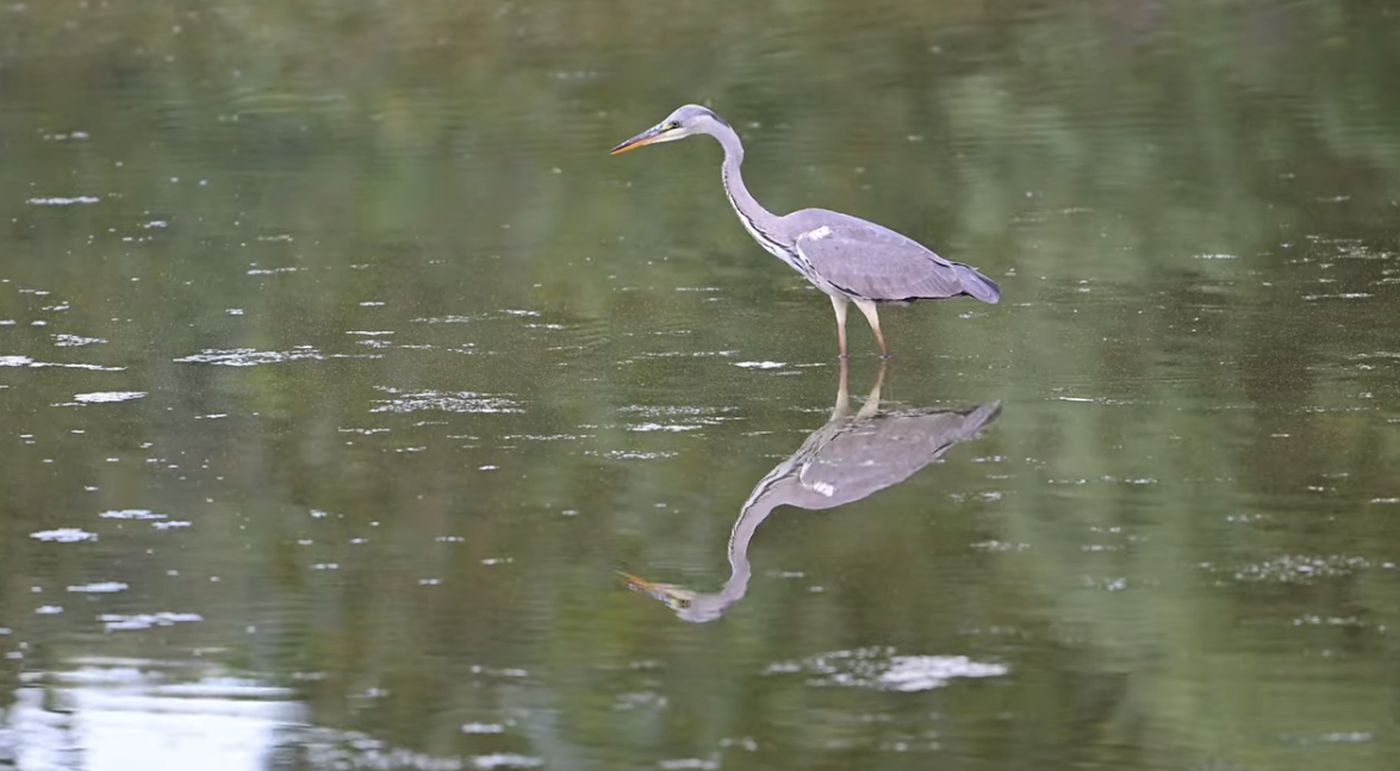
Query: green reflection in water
[487,366]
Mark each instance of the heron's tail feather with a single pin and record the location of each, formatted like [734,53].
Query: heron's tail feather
[977,285]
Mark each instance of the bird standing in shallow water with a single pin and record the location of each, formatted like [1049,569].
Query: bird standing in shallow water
[848,258]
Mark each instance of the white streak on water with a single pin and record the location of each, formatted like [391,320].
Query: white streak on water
[60,201]
[64,535]
[73,341]
[100,587]
[248,357]
[25,361]
[505,760]
[880,669]
[445,401]
[114,622]
[131,514]
[760,364]
[105,397]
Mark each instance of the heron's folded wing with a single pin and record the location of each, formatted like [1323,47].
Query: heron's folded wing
[872,262]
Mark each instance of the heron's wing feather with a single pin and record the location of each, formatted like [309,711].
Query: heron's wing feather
[874,453]
[874,262]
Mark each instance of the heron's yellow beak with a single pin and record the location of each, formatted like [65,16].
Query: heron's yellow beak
[645,138]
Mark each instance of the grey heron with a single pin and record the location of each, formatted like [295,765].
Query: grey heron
[851,457]
[848,258]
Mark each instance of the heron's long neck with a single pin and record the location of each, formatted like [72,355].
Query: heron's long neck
[758,220]
[739,537]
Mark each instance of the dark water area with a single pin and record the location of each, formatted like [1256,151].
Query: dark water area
[359,411]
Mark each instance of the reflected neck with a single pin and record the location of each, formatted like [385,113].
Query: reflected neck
[739,570]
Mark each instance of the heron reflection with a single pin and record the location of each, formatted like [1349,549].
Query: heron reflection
[853,456]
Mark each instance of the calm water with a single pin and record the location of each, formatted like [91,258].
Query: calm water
[358,411]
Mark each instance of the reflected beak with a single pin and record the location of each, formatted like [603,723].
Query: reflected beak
[644,138]
[639,584]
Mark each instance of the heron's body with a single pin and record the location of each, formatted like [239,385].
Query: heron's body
[848,258]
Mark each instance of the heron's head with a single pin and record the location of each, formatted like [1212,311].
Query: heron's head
[686,121]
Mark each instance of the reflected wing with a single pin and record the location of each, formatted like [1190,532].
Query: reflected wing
[884,451]
[876,263]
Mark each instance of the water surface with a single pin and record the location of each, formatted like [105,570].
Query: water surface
[358,411]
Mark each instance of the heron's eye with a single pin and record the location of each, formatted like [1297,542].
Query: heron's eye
[675,124]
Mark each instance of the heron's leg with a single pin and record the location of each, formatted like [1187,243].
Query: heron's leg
[843,394]
[838,304]
[872,315]
[872,402]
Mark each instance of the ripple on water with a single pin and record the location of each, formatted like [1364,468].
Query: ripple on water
[25,361]
[675,419]
[1301,569]
[116,622]
[445,401]
[879,668]
[248,357]
[633,455]
[331,748]
[74,341]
